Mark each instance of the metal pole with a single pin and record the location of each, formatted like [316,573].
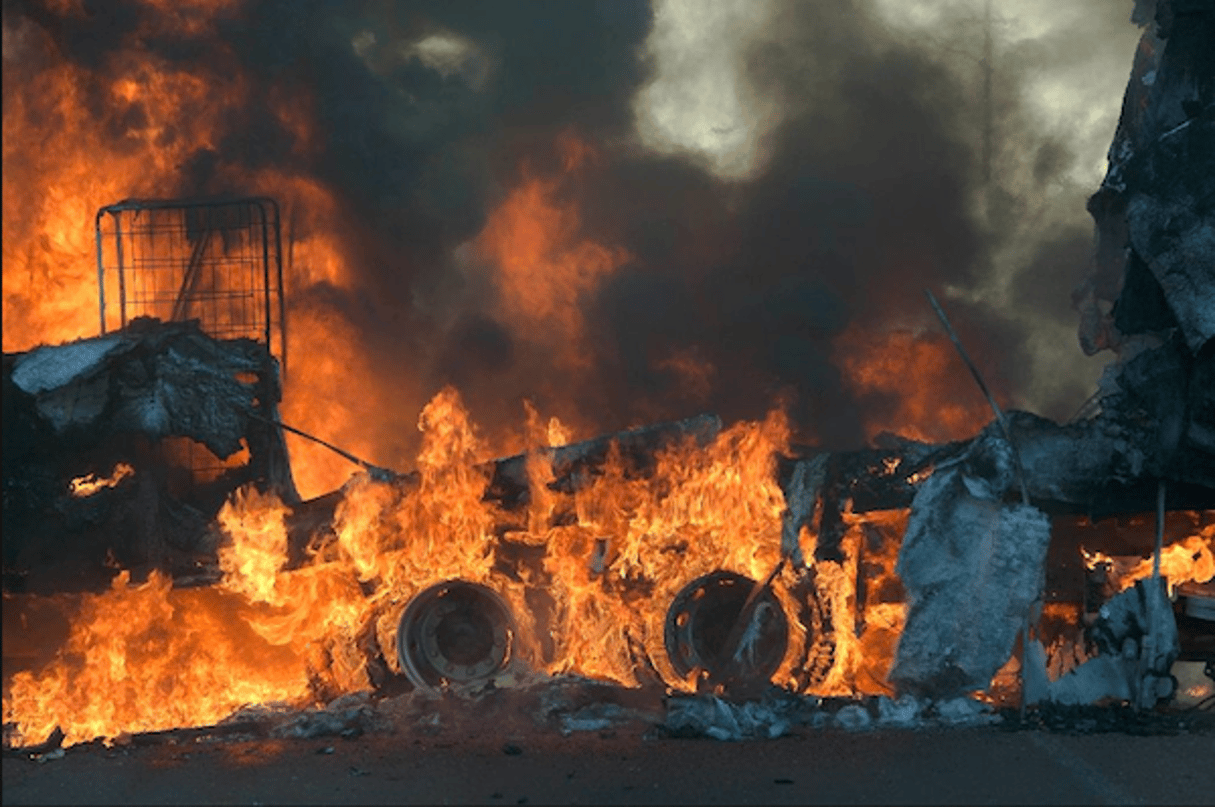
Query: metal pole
[995,407]
[122,283]
[1159,528]
[100,268]
[282,303]
[265,271]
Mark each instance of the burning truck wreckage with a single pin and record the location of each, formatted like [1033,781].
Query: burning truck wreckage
[153,526]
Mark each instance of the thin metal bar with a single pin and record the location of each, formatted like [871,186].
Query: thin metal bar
[265,270]
[189,280]
[282,305]
[1159,528]
[100,270]
[995,407]
[122,285]
[377,472]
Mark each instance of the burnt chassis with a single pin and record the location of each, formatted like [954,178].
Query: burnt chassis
[456,631]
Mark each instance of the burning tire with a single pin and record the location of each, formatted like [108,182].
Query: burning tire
[700,618]
[455,632]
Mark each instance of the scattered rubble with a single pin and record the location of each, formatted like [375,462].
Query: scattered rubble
[1136,635]
[187,418]
[719,719]
[348,716]
[780,713]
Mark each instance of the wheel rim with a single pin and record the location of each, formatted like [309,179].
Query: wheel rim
[700,617]
[454,632]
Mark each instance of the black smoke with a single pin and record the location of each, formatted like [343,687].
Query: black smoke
[867,196]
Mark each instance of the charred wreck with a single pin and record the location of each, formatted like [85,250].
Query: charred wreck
[1035,561]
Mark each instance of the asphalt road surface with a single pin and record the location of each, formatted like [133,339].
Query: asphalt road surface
[985,765]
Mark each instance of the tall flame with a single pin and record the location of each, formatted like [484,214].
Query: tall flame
[148,656]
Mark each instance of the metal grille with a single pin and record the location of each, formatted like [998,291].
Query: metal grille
[219,262]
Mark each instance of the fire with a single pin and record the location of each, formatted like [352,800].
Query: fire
[1190,560]
[78,137]
[281,628]
[558,434]
[1094,559]
[317,399]
[256,524]
[89,484]
[64,162]
[920,379]
[701,510]
[865,650]
[543,265]
[148,656]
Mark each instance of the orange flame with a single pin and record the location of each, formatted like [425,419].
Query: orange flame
[80,136]
[865,650]
[151,657]
[251,563]
[543,266]
[85,486]
[1190,560]
[77,138]
[147,658]
[927,393]
[62,163]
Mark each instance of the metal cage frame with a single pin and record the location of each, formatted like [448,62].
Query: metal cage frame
[216,260]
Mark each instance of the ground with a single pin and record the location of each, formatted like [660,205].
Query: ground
[633,764]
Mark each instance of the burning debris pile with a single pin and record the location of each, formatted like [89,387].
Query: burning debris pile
[703,560]
[748,579]
[125,446]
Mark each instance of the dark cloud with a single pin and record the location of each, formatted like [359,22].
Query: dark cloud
[866,196]
[862,203]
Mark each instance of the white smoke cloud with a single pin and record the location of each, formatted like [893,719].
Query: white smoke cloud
[700,102]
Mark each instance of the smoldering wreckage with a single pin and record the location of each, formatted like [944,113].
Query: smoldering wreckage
[1035,565]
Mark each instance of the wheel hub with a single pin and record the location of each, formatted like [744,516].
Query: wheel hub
[700,618]
[455,632]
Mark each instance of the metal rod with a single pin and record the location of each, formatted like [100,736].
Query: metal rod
[729,648]
[995,407]
[265,270]
[282,303]
[100,270]
[190,279]
[377,472]
[122,282]
[1159,528]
